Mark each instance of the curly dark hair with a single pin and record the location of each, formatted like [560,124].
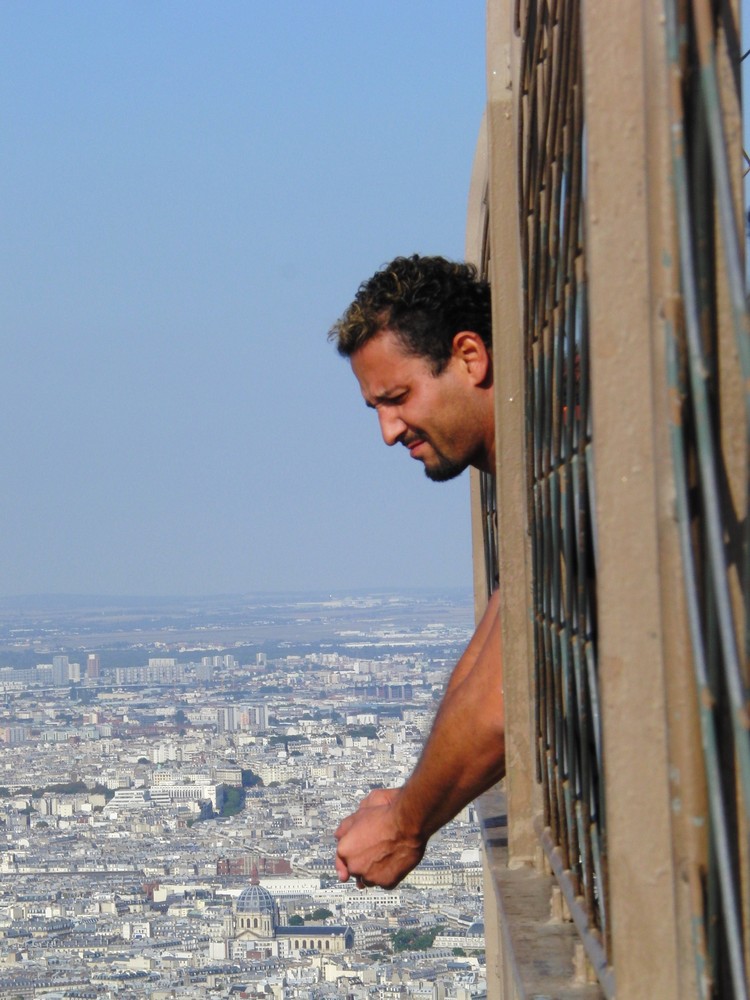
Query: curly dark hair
[425,301]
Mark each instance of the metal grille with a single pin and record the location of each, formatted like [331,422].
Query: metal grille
[559,455]
[704,64]
[488,506]
[487,488]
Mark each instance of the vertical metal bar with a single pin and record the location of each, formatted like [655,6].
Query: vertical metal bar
[558,420]
[702,197]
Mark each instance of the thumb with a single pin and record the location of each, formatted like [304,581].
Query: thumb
[341,869]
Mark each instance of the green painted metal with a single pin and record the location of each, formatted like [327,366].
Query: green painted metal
[703,203]
[559,433]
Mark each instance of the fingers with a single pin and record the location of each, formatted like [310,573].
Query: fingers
[358,836]
[378,797]
[342,869]
[344,826]
[348,822]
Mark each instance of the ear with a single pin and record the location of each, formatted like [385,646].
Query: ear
[471,351]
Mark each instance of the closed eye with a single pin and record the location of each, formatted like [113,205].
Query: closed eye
[388,401]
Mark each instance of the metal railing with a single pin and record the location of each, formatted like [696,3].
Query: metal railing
[487,485]
[559,451]
[687,347]
[703,41]
[488,504]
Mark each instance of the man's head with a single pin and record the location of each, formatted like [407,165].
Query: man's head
[424,301]
[418,337]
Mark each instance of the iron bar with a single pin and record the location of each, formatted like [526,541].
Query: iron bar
[590,938]
[558,426]
[702,190]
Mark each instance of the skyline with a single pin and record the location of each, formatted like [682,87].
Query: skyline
[193,198]
[139,799]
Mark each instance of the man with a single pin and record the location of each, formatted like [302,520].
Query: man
[418,336]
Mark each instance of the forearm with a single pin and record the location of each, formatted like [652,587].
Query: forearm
[486,632]
[465,752]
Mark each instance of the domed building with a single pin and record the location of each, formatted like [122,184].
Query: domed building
[256,911]
[253,929]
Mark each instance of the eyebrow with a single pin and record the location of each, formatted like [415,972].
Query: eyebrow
[386,397]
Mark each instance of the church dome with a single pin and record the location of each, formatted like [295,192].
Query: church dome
[256,900]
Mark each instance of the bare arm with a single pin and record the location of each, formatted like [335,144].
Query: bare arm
[464,755]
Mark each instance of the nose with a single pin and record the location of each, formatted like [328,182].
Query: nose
[392,427]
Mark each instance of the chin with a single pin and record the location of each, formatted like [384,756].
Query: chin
[444,471]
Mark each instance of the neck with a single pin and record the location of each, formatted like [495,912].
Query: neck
[485,462]
[485,457]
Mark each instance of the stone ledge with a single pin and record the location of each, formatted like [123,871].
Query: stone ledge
[538,952]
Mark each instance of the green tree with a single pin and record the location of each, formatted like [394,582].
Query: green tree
[320,914]
[250,779]
[67,788]
[416,939]
[369,732]
[296,920]
[100,789]
[234,801]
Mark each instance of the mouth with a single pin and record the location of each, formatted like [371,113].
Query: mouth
[414,446]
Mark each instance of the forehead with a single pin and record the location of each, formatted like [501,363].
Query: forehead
[382,366]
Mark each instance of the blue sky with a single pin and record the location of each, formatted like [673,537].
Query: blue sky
[192,194]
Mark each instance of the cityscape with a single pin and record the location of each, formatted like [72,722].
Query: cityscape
[172,774]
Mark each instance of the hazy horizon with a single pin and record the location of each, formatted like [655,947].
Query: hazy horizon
[318,592]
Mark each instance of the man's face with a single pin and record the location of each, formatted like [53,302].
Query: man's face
[431,415]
